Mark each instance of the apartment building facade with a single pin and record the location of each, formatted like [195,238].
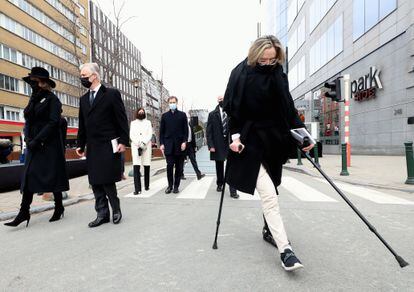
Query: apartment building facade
[373,42]
[49,33]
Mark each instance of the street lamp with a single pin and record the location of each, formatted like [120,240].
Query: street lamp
[137,83]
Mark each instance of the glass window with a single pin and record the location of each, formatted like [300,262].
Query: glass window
[1,81]
[371,13]
[6,53]
[338,36]
[1,112]
[386,7]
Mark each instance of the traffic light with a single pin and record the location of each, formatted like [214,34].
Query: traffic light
[334,92]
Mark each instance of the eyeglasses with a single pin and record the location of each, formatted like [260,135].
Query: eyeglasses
[263,62]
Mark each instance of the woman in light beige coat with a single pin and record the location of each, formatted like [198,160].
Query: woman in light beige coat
[140,134]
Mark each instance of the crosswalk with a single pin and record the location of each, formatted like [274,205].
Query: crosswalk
[297,190]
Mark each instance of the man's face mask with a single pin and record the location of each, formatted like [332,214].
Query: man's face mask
[173,106]
[85,81]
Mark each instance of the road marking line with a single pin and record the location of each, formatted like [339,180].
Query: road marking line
[304,192]
[197,189]
[248,197]
[370,195]
[155,187]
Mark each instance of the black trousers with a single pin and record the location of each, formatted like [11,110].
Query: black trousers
[27,200]
[102,193]
[192,156]
[137,177]
[176,161]
[220,175]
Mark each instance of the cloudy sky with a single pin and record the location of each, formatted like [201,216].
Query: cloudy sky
[198,42]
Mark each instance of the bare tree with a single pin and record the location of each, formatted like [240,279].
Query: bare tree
[112,35]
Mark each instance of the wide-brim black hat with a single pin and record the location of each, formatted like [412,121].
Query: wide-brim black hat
[40,73]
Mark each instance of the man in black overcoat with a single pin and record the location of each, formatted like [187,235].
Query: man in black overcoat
[103,130]
[191,151]
[173,142]
[218,143]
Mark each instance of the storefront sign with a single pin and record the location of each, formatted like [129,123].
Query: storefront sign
[365,87]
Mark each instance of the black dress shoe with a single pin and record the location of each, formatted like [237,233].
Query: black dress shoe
[137,193]
[183,177]
[200,176]
[98,221]
[234,195]
[219,188]
[117,217]
[176,191]
[168,190]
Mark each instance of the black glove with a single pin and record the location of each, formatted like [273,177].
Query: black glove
[139,151]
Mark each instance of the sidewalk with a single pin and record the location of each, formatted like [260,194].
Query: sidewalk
[387,172]
[79,191]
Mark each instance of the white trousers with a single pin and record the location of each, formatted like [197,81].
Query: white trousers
[271,211]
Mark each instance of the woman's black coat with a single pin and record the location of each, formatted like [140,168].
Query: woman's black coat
[98,125]
[215,137]
[45,165]
[264,143]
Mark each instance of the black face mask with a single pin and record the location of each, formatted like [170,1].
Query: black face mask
[141,116]
[85,82]
[35,87]
[221,103]
[265,68]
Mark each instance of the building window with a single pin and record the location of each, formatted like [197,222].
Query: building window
[1,113]
[81,10]
[318,10]
[329,45]
[12,114]
[27,61]
[297,73]
[9,83]
[367,13]
[35,38]
[297,39]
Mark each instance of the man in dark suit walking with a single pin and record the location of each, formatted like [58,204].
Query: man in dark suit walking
[191,151]
[103,130]
[173,142]
[218,143]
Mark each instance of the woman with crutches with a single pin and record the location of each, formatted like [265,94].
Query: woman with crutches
[262,112]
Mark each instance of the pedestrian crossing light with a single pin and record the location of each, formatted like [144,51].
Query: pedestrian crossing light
[334,91]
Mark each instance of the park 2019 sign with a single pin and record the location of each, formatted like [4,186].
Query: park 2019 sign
[365,87]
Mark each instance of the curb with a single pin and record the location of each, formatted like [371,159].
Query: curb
[47,207]
[353,182]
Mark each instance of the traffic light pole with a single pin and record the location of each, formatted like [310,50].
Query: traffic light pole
[347,97]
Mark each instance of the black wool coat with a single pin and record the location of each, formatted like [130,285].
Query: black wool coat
[215,136]
[45,165]
[173,132]
[265,143]
[98,124]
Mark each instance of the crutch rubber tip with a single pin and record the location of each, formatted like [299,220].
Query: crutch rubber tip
[401,261]
[215,245]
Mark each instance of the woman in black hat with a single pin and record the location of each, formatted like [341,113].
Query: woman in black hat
[44,169]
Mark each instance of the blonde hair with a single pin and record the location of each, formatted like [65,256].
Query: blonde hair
[263,43]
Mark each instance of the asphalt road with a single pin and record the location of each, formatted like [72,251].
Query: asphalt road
[164,243]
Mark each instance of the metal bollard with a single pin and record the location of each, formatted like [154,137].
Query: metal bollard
[299,158]
[315,154]
[410,163]
[344,164]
